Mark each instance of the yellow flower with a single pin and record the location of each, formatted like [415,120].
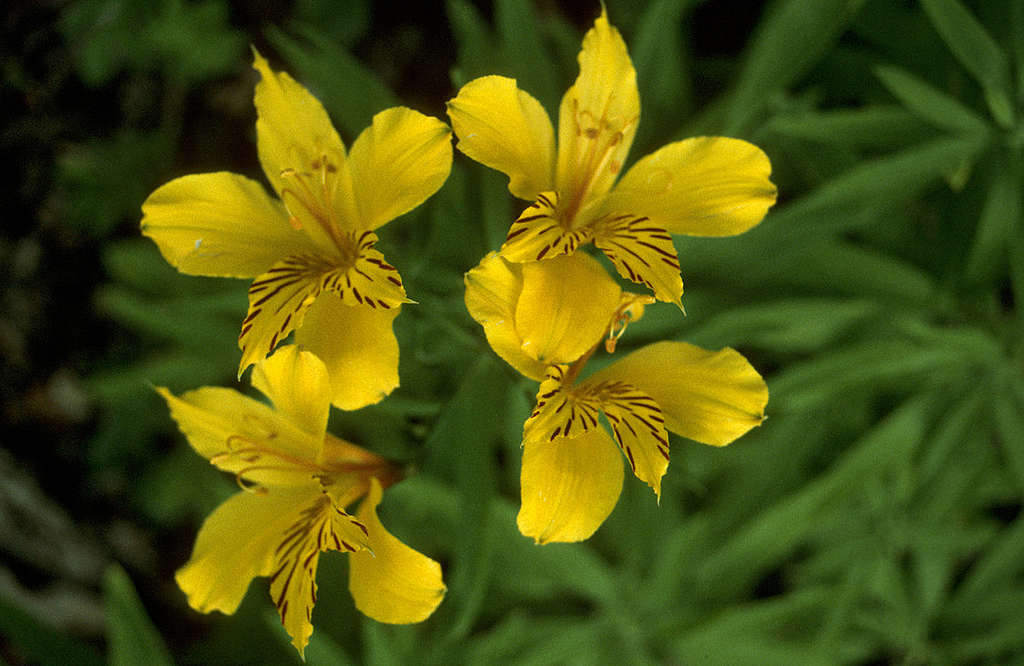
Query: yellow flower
[311,252]
[298,480]
[706,186]
[536,318]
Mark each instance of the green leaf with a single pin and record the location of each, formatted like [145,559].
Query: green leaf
[102,183]
[896,177]
[1008,412]
[131,636]
[511,637]
[474,42]
[976,50]
[1017,37]
[194,41]
[1000,220]
[929,103]
[786,325]
[35,642]
[795,36]
[1001,561]
[871,365]
[350,91]
[525,53]
[192,321]
[753,633]
[662,74]
[869,127]
[951,433]
[772,534]
[106,35]
[188,41]
[844,268]
[344,20]
[464,441]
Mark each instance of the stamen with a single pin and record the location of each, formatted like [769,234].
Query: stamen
[319,205]
[629,311]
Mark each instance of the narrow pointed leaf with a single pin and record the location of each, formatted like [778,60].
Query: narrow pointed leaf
[132,637]
[931,104]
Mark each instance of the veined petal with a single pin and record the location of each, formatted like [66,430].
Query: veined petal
[219,224]
[639,427]
[357,346]
[565,307]
[537,234]
[709,396]
[280,298]
[394,583]
[278,301]
[598,117]
[236,544]
[705,186]
[319,526]
[504,128]
[295,137]
[560,412]
[297,383]
[642,252]
[244,437]
[492,292]
[569,486]
[399,161]
[371,281]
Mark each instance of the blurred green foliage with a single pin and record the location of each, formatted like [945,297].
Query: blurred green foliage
[874,518]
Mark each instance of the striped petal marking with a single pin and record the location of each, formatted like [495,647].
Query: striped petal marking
[280,297]
[642,252]
[321,526]
[539,234]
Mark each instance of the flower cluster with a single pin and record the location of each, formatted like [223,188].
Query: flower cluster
[545,304]
[316,272]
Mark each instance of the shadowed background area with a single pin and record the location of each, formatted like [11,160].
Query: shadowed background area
[873,518]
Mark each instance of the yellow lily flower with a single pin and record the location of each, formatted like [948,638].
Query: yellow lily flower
[311,252]
[534,318]
[705,186]
[298,480]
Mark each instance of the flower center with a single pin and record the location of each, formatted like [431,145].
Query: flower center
[310,193]
[596,140]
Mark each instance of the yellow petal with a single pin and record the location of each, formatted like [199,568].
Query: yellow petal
[278,301]
[319,526]
[245,437]
[297,383]
[371,281]
[280,298]
[357,346]
[639,427]
[394,583]
[506,129]
[492,292]
[560,411]
[706,186]
[397,163]
[302,155]
[598,117]
[709,396]
[235,544]
[537,234]
[565,308]
[642,252]
[219,224]
[569,486]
